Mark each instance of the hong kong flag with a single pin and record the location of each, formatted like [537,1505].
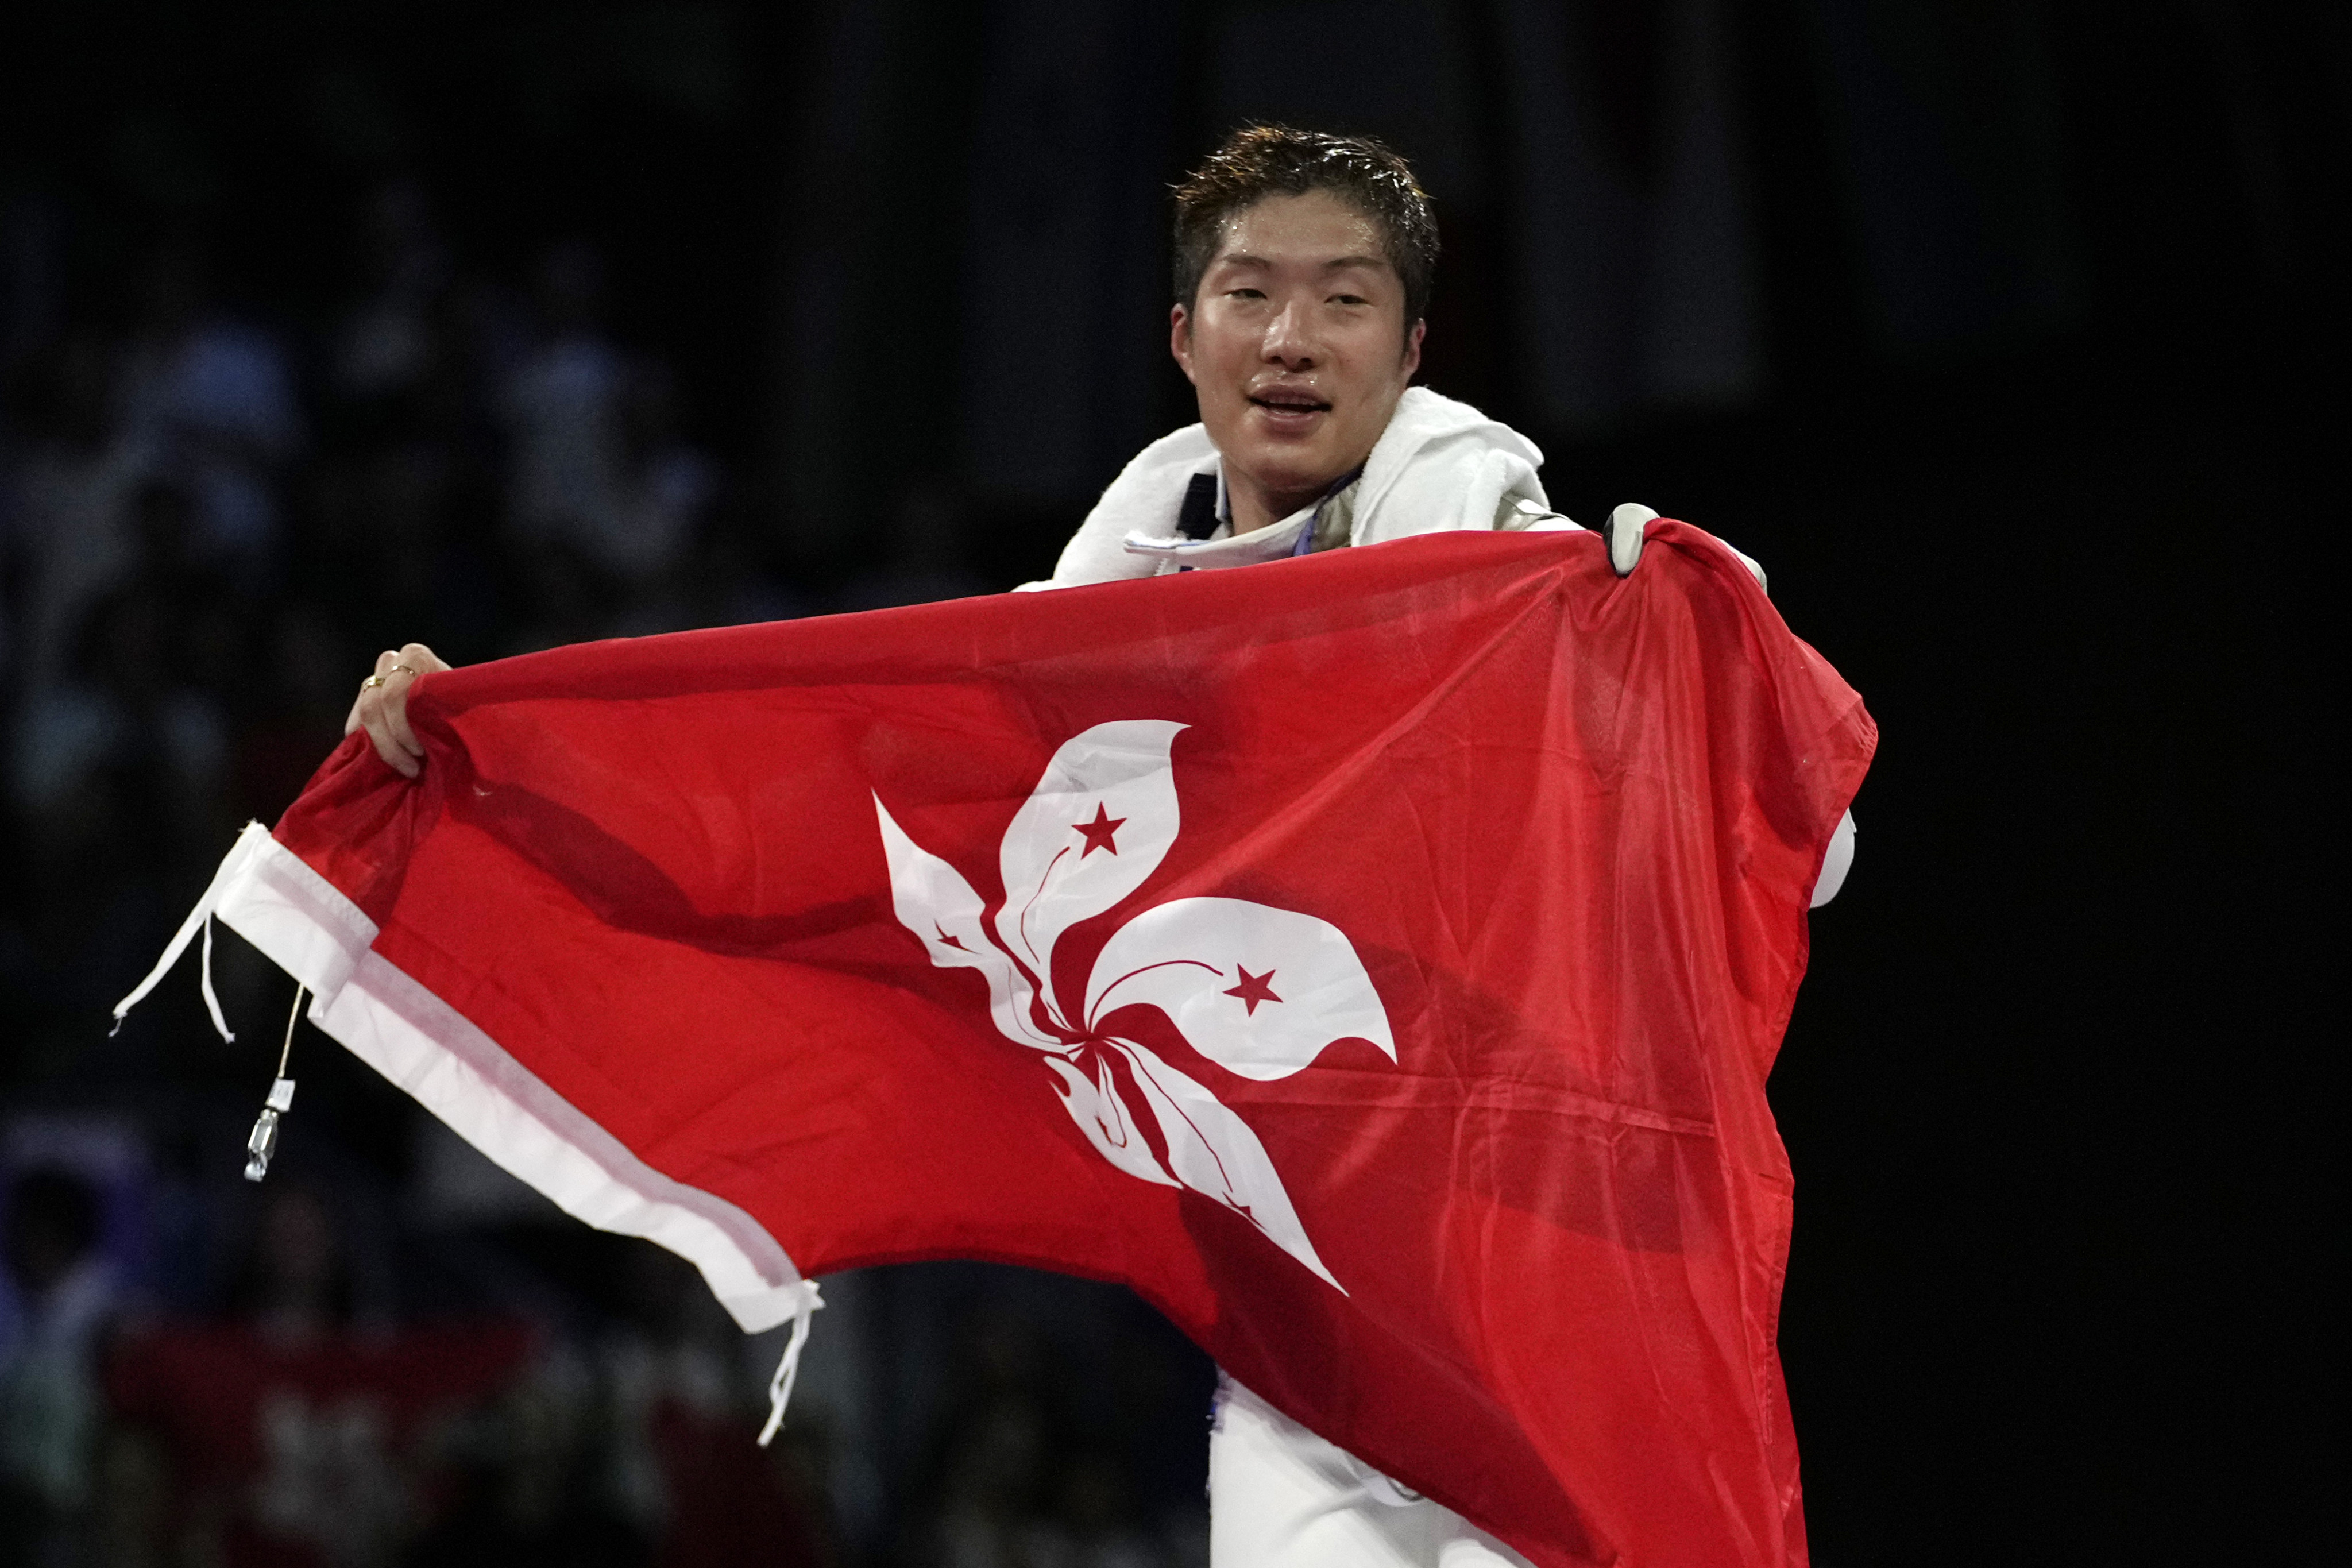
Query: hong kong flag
[1374,959]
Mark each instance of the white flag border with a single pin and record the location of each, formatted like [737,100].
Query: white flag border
[382,1014]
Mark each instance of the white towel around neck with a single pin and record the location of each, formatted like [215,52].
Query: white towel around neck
[1440,465]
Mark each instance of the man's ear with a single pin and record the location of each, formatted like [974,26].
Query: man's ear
[1179,339]
[1413,349]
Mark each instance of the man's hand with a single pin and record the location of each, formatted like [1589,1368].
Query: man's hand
[1623,534]
[382,707]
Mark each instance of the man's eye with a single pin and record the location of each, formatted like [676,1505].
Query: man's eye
[1245,294]
[1349,299]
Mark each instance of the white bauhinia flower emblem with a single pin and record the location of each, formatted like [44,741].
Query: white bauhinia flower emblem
[1259,991]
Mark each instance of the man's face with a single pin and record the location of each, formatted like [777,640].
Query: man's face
[1296,345]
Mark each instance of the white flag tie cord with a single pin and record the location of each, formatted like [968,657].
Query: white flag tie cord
[211,1000]
[199,919]
[788,1370]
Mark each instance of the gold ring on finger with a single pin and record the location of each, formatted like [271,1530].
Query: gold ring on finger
[371,683]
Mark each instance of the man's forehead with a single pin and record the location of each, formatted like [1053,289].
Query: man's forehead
[1316,228]
[1288,257]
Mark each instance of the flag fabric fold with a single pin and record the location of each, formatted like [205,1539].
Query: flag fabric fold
[1374,959]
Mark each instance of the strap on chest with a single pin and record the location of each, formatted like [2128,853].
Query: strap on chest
[1198,520]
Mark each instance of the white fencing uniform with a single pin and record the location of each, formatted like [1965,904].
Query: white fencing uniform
[1282,1497]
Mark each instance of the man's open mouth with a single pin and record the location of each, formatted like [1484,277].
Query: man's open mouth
[1291,403]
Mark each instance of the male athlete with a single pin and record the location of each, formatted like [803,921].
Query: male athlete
[1303,270]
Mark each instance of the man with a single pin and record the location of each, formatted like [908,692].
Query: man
[1302,268]
[1303,271]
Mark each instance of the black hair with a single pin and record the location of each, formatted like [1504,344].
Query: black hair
[1261,161]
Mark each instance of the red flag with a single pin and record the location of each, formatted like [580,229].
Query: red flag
[1374,959]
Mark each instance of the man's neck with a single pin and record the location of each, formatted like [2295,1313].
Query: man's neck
[1253,506]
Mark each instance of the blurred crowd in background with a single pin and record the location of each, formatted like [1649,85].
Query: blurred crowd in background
[327,325]
[392,1352]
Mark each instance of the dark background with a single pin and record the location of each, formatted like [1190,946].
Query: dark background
[2002,334]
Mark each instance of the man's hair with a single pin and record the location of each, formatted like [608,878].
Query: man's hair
[1261,161]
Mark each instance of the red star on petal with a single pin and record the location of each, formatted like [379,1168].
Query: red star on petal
[1099,832]
[1255,989]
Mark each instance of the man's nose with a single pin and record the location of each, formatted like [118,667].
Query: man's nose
[1288,342]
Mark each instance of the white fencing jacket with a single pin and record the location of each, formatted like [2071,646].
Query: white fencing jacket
[1440,465]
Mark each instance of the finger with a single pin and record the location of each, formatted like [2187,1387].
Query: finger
[374,712]
[395,708]
[421,659]
[375,718]
[414,662]
[398,760]
[357,717]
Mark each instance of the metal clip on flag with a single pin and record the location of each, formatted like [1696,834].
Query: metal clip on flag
[262,1141]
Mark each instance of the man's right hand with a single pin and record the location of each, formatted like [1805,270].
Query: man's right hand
[382,707]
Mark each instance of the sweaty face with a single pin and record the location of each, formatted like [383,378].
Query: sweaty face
[1296,345]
